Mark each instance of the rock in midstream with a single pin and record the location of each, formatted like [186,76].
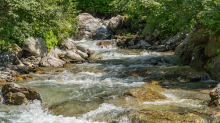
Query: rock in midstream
[144,95]
[215,97]
[15,94]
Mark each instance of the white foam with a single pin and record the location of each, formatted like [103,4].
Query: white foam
[34,113]
[176,101]
[104,110]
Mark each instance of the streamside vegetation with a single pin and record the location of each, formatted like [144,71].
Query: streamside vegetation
[48,19]
[55,20]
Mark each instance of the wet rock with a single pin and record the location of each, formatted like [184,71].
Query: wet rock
[31,61]
[131,43]
[35,46]
[13,89]
[8,58]
[53,53]
[173,42]
[82,48]
[15,98]
[92,28]
[1,98]
[144,95]
[115,23]
[75,108]
[212,46]
[143,44]
[60,52]
[96,56]
[215,97]
[153,86]
[172,75]
[82,54]
[72,56]
[147,116]
[202,78]
[68,45]
[8,74]
[50,61]
[18,50]
[106,43]
[2,80]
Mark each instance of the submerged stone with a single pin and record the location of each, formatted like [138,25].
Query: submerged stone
[144,95]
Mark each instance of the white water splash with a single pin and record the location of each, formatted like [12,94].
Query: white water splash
[34,113]
[176,101]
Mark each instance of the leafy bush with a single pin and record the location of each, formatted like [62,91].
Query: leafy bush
[172,16]
[129,35]
[102,6]
[51,40]
[23,18]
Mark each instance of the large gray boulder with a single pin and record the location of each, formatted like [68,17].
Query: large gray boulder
[15,94]
[35,46]
[115,23]
[8,58]
[92,28]
[50,61]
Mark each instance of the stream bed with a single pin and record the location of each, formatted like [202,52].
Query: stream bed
[93,91]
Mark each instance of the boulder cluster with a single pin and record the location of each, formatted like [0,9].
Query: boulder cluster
[33,54]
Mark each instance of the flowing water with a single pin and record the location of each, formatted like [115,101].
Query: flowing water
[93,91]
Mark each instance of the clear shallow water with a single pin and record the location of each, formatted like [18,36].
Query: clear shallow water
[88,92]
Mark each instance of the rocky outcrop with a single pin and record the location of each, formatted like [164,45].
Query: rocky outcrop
[199,50]
[213,68]
[31,61]
[50,61]
[212,46]
[115,23]
[92,28]
[8,74]
[215,97]
[15,94]
[35,46]
[144,95]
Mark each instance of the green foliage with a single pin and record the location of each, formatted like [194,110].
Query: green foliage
[20,19]
[129,35]
[172,16]
[51,40]
[218,51]
[102,6]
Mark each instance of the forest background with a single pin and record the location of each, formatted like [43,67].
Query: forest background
[56,20]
